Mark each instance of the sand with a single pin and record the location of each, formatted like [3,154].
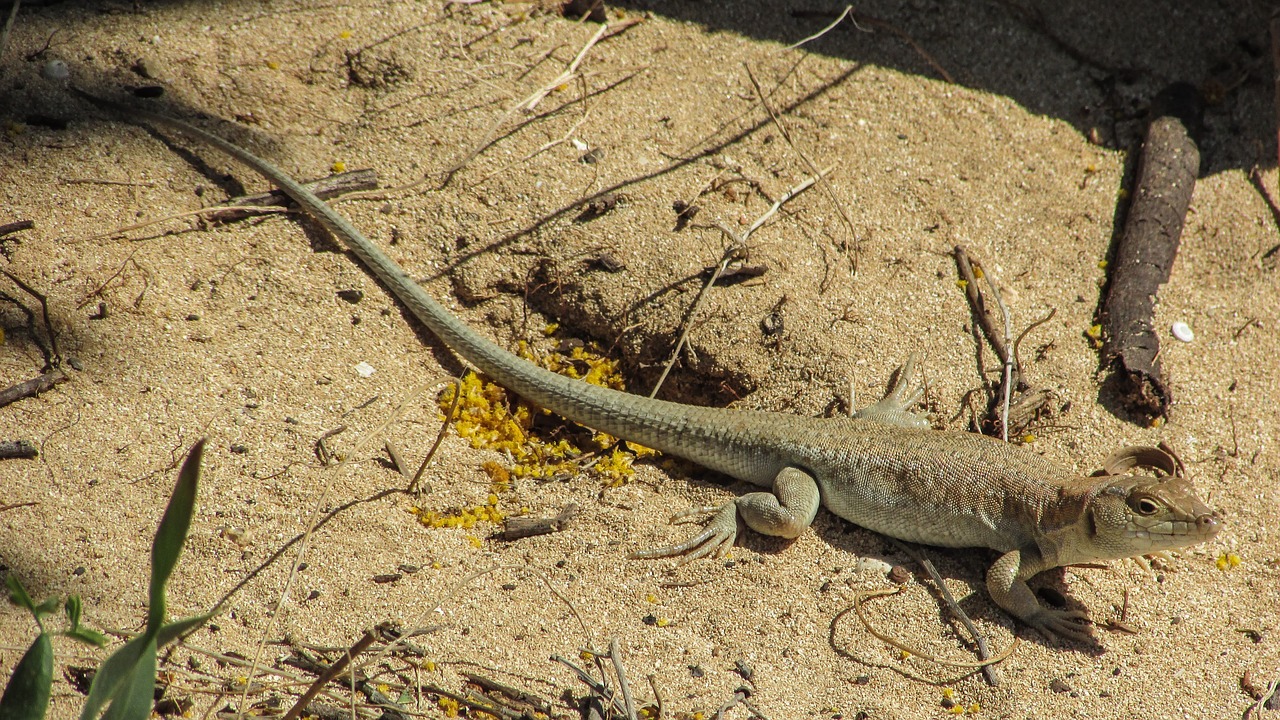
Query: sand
[235,332]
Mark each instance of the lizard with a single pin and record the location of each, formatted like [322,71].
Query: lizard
[883,468]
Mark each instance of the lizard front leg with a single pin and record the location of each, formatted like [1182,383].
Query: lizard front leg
[1007,584]
[784,512]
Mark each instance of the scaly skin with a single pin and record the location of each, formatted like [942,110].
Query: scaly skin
[883,469]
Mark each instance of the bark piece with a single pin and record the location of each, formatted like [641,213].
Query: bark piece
[523,527]
[1144,255]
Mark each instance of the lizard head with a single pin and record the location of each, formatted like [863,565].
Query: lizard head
[1128,515]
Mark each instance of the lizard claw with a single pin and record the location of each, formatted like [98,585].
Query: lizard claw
[718,535]
[1069,624]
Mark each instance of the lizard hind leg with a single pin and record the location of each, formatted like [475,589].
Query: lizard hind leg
[785,512]
[894,407]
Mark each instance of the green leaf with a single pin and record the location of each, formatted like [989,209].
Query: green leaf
[172,533]
[178,628]
[137,693]
[87,636]
[18,594]
[114,672]
[48,607]
[72,608]
[26,697]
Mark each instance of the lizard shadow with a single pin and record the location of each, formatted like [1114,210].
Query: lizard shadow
[968,565]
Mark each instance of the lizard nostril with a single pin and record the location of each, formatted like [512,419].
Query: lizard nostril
[1208,523]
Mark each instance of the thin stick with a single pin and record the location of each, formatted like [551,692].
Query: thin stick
[730,253]
[848,9]
[529,102]
[32,387]
[104,181]
[615,654]
[600,689]
[902,35]
[1008,360]
[13,227]
[736,250]
[211,210]
[330,187]
[444,428]
[984,653]
[333,671]
[826,186]
[545,147]
[1017,361]
[868,594]
[568,73]
[44,312]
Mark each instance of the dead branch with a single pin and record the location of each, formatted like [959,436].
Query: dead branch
[1145,251]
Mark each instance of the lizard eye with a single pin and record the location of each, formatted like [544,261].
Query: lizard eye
[1145,506]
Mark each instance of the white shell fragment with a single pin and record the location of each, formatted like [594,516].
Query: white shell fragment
[365,370]
[1182,331]
[55,70]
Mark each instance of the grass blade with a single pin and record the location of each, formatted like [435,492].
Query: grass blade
[137,694]
[115,671]
[172,533]
[177,628]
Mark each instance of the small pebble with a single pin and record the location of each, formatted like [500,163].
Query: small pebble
[869,564]
[899,575]
[1182,331]
[364,370]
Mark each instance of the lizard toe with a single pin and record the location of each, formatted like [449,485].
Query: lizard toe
[1071,625]
[720,533]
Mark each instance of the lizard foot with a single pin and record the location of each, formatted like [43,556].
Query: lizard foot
[715,538]
[894,407]
[1069,624]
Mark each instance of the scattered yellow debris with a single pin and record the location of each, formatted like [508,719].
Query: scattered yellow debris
[489,418]
[339,166]
[1228,561]
[449,706]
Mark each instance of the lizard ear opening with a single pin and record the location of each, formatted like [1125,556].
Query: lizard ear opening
[1075,500]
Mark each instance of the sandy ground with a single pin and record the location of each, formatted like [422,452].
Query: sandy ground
[235,332]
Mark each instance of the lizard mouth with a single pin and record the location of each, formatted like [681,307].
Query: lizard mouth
[1175,532]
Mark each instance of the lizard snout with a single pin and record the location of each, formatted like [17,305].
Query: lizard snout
[1208,524]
